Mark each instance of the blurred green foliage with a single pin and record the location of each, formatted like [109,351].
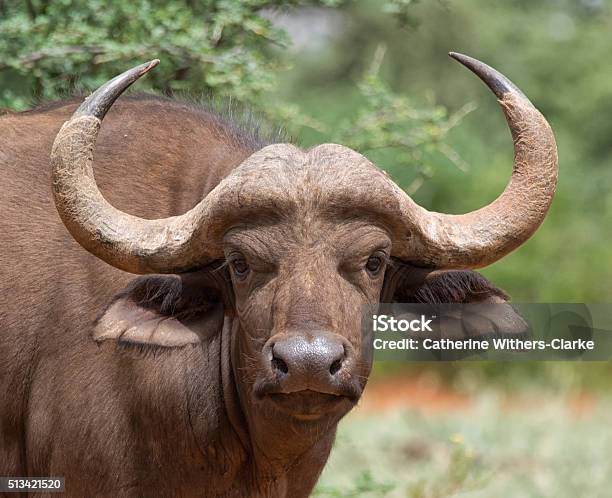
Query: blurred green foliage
[204,45]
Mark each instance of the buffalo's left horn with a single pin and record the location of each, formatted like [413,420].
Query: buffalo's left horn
[481,237]
[127,242]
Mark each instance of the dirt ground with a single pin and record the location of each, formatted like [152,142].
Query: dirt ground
[426,393]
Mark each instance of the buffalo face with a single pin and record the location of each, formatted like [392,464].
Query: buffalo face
[299,288]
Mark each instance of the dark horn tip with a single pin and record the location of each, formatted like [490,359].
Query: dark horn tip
[497,82]
[100,101]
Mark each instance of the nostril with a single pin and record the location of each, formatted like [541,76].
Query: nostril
[335,366]
[279,365]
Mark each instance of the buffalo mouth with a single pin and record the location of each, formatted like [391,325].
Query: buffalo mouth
[308,405]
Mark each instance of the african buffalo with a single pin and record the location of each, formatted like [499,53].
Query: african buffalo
[225,368]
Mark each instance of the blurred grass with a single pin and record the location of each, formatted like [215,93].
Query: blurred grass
[536,448]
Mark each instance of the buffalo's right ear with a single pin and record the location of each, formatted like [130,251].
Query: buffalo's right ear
[166,310]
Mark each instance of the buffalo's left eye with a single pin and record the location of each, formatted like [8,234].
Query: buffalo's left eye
[374,264]
[240,267]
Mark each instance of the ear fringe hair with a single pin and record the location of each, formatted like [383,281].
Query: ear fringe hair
[456,286]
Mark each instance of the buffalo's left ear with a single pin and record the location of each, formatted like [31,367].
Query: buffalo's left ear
[408,284]
[164,310]
[491,314]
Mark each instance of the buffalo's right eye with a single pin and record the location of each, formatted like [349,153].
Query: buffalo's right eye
[240,267]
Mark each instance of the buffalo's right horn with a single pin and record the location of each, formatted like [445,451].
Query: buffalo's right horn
[127,242]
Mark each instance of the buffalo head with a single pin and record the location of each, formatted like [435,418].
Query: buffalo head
[308,238]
